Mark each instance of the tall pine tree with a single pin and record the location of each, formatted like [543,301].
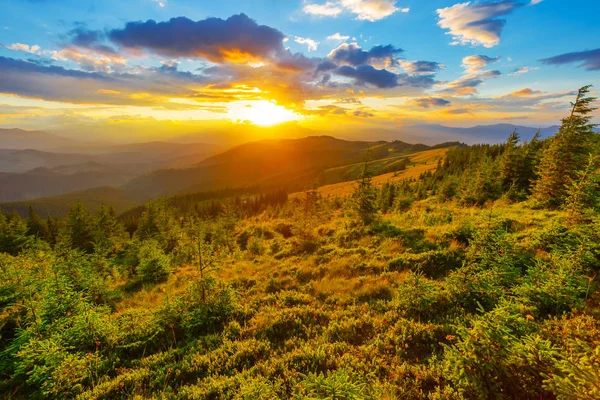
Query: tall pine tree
[568,153]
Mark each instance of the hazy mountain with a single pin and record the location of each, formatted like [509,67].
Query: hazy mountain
[59,205]
[292,163]
[431,133]
[43,182]
[22,139]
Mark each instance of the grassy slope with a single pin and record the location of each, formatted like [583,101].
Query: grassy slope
[419,162]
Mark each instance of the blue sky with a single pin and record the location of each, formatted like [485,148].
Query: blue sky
[489,61]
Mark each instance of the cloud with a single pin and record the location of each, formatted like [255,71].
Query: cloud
[338,37]
[82,37]
[478,23]
[467,84]
[589,59]
[426,102]
[474,75]
[328,9]
[522,70]
[372,10]
[348,100]
[312,44]
[366,74]
[421,67]
[534,2]
[86,59]
[363,114]
[35,49]
[525,92]
[353,54]
[366,10]
[238,39]
[476,63]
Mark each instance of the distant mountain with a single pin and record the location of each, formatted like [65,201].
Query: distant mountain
[22,139]
[44,182]
[293,163]
[496,133]
[59,205]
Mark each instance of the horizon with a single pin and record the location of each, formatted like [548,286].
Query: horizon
[165,69]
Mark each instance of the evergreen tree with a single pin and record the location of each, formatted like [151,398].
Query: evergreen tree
[109,234]
[583,196]
[35,225]
[511,163]
[80,228]
[365,198]
[567,154]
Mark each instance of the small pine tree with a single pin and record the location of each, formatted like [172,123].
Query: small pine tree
[36,226]
[567,154]
[583,196]
[80,228]
[365,198]
[511,162]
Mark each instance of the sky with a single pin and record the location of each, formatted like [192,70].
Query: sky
[168,67]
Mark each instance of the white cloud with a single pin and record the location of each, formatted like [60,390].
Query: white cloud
[534,2]
[473,64]
[523,70]
[312,44]
[477,24]
[328,9]
[338,37]
[161,3]
[35,49]
[86,59]
[366,10]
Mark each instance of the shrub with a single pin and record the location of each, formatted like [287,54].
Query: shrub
[155,265]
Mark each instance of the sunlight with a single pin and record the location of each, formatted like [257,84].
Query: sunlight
[261,112]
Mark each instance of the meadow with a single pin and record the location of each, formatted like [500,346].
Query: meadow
[471,274]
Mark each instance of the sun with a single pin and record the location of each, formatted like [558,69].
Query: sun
[261,112]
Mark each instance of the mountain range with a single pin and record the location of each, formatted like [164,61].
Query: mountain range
[37,164]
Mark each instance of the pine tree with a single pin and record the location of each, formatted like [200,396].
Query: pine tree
[583,196]
[80,228]
[567,154]
[365,198]
[36,226]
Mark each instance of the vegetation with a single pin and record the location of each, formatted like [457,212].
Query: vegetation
[467,282]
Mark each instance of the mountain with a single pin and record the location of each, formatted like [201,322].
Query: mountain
[58,206]
[291,163]
[44,182]
[137,158]
[432,133]
[22,139]
[496,133]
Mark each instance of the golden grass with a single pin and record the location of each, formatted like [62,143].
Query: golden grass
[423,161]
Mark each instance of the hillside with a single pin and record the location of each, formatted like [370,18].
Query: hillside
[58,206]
[44,182]
[293,163]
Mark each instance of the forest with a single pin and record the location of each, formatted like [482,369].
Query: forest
[476,279]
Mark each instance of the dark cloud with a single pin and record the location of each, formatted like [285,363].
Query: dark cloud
[326,66]
[352,54]
[8,65]
[151,86]
[421,67]
[363,114]
[590,59]
[236,39]
[427,102]
[90,39]
[366,74]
